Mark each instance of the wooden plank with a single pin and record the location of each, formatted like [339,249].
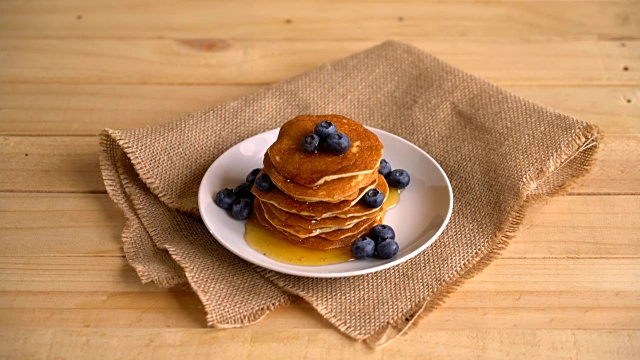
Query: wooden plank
[60,225]
[89,225]
[314,19]
[554,310]
[313,344]
[580,226]
[50,164]
[69,274]
[73,274]
[617,169]
[70,164]
[84,109]
[218,61]
[172,308]
[509,294]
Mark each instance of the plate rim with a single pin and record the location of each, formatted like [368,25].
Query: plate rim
[315,274]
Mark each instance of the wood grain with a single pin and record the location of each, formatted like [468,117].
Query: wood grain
[70,164]
[505,315]
[21,273]
[314,19]
[89,225]
[316,344]
[47,224]
[84,109]
[509,294]
[617,168]
[218,61]
[50,164]
[182,308]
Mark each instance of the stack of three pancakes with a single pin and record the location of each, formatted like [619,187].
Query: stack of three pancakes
[316,201]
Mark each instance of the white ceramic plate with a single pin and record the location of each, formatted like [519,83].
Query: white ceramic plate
[421,215]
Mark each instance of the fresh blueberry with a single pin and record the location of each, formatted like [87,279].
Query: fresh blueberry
[224,198]
[324,129]
[398,178]
[385,167]
[373,198]
[264,183]
[382,232]
[387,249]
[338,143]
[310,143]
[251,178]
[363,248]
[242,209]
[243,191]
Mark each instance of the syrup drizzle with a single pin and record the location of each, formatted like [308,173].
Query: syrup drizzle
[265,242]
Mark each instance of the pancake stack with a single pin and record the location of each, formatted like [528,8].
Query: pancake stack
[316,201]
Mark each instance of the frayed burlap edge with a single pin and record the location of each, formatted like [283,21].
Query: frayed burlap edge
[112,182]
[138,165]
[246,320]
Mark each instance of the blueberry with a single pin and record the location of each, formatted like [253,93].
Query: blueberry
[363,248]
[224,198]
[373,198]
[387,249]
[242,209]
[324,129]
[243,191]
[310,143]
[264,183]
[382,232]
[251,178]
[398,178]
[338,143]
[385,167]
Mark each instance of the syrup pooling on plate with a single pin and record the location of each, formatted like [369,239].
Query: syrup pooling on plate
[268,244]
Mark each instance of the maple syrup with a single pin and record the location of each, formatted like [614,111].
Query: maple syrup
[265,242]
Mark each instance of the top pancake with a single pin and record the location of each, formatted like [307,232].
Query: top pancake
[313,169]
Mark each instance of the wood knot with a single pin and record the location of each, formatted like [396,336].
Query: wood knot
[206,45]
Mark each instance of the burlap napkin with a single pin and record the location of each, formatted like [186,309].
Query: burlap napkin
[501,152]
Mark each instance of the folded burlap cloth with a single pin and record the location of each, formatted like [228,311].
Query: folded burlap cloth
[501,152]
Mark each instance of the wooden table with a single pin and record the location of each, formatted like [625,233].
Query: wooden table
[568,286]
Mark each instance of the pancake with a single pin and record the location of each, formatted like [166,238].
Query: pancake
[307,223]
[331,233]
[354,235]
[313,169]
[321,210]
[315,242]
[331,191]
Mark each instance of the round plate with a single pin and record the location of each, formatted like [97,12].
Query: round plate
[418,219]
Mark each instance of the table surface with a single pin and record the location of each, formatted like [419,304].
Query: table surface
[568,286]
